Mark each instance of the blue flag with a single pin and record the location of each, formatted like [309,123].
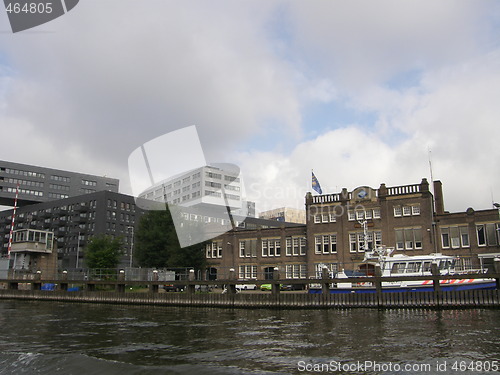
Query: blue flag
[315,184]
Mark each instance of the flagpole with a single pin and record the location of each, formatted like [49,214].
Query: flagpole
[11,235]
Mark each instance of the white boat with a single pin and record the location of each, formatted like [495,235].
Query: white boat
[405,265]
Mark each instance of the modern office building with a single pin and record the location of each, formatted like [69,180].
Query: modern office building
[292,215]
[209,186]
[38,184]
[407,218]
[74,221]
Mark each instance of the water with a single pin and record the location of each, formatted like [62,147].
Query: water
[59,338]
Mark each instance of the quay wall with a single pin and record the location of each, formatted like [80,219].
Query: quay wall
[433,299]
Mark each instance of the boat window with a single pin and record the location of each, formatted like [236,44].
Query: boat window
[398,268]
[444,264]
[427,267]
[413,267]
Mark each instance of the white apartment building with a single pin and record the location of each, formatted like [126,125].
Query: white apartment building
[205,186]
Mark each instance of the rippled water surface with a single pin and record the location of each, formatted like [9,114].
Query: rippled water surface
[57,338]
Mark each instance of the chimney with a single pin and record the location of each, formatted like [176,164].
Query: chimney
[438,197]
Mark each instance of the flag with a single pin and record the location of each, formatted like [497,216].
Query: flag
[315,184]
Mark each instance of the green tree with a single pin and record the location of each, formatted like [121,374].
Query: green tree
[156,244]
[103,252]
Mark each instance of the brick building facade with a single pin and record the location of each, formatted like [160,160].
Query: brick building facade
[408,218]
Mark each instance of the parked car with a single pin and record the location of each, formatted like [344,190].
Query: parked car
[173,288]
[266,287]
[270,287]
[246,286]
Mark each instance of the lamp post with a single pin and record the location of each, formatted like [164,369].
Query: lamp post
[131,245]
[77,250]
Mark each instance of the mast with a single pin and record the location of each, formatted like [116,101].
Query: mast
[13,221]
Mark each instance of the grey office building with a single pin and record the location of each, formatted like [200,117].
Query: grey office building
[74,221]
[39,184]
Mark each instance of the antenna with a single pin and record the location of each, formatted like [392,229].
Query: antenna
[430,168]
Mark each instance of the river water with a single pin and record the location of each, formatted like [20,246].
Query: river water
[64,338]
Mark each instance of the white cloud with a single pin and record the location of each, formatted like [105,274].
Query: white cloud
[453,111]
[85,90]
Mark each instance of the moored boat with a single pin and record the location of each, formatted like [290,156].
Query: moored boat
[405,265]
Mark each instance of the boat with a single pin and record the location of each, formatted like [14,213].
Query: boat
[404,265]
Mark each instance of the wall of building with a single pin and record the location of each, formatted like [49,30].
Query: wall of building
[401,217]
[75,220]
[39,184]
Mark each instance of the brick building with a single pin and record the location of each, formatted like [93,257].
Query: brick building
[408,218]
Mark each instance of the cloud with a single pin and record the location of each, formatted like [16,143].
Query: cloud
[85,90]
[452,111]
[115,74]
[360,43]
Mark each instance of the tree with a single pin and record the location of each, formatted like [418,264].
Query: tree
[103,252]
[156,244]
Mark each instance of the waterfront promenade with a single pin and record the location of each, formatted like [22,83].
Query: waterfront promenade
[118,291]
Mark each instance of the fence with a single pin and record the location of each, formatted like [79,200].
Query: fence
[452,299]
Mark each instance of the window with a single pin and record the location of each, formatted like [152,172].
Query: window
[248,248]
[487,234]
[464,236]
[333,217]
[376,213]
[288,245]
[351,216]
[397,211]
[406,210]
[296,271]
[89,183]
[271,247]
[317,219]
[353,243]
[216,185]
[325,218]
[318,244]
[361,242]
[213,175]
[415,209]
[247,272]
[325,244]
[303,245]
[454,237]
[295,246]
[214,250]
[408,238]
[331,267]
[213,193]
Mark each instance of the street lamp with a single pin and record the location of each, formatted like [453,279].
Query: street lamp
[131,245]
[77,251]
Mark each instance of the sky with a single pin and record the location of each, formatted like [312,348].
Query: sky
[361,92]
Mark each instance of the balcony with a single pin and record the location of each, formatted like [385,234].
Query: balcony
[81,208]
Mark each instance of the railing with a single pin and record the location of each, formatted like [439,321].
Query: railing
[405,189]
[327,198]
